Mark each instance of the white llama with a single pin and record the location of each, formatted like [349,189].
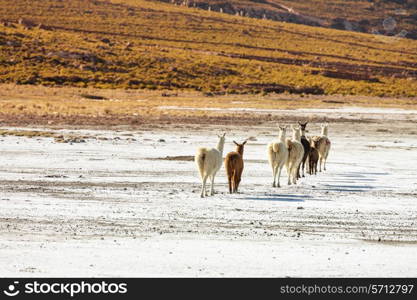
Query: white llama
[278,155]
[209,162]
[323,146]
[295,155]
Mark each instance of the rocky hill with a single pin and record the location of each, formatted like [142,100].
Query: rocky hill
[388,17]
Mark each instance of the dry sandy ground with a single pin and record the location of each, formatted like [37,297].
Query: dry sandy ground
[116,206]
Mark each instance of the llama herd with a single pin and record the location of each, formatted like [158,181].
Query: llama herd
[300,153]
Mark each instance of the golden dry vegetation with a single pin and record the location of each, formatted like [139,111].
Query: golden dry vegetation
[139,44]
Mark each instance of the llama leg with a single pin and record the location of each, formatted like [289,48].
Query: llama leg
[234,183]
[237,184]
[229,178]
[325,160]
[289,171]
[238,178]
[274,175]
[203,187]
[303,167]
[295,176]
[279,175]
[307,162]
[212,185]
[320,160]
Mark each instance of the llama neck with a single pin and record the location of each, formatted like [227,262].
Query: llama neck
[303,132]
[281,136]
[296,135]
[324,131]
[220,146]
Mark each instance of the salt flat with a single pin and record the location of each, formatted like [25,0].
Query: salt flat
[126,203]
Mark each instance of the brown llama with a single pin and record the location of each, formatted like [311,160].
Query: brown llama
[313,158]
[306,145]
[234,167]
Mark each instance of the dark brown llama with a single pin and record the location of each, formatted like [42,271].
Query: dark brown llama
[306,146]
[313,158]
[234,167]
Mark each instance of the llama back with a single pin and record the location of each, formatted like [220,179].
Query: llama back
[271,151]
[200,159]
[322,144]
[327,146]
[208,160]
[295,150]
[289,144]
[277,150]
[231,160]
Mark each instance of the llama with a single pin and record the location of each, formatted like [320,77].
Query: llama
[306,145]
[295,155]
[323,146]
[278,155]
[313,158]
[209,162]
[233,164]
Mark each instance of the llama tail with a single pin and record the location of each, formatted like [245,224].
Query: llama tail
[229,166]
[289,144]
[200,159]
[272,151]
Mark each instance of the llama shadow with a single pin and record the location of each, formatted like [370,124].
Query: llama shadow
[347,188]
[350,180]
[361,174]
[345,182]
[281,198]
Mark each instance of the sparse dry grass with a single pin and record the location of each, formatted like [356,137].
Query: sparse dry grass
[59,105]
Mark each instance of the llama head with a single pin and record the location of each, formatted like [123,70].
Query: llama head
[324,129]
[303,127]
[220,144]
[296,133]
[240,147]
[222,136]
[282,131]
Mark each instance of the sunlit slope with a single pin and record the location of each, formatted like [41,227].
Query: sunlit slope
[146,44]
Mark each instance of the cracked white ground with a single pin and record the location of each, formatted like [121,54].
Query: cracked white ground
[118,207]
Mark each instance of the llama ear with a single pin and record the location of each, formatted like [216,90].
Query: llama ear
[224,134]
[244,142]
[299,123]
[235,143]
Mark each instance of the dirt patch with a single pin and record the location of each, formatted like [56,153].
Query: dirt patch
[178,158]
